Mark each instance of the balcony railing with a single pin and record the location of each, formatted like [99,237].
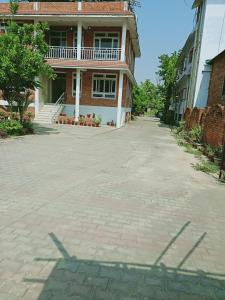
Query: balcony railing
[100,54]
[62,52]
[87,53]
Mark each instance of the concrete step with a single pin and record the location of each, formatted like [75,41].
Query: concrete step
[47,112]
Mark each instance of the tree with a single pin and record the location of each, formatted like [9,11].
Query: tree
[22,52]
[168,77]
[147,95]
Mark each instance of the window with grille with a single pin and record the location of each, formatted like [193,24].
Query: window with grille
[104,86]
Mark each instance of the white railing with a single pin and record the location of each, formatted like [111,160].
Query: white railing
[62,52]
[87,53]
[90,53]
[58,106]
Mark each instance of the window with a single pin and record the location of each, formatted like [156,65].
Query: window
[75,84]
[106,40]
[104,86]
[58,38]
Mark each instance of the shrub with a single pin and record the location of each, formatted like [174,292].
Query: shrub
[195,134]
[11,127]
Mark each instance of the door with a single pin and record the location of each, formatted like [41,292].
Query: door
[58,86]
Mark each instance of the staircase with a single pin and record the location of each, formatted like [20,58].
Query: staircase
[50,112]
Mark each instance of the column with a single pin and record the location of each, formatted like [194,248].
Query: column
[123,42]
[79,40]
[37,99]
[120,98]
[77,111]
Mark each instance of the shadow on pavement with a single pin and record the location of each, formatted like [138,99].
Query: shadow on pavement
[44,130]
[73,278]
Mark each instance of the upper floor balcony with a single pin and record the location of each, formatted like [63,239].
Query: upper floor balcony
[86,53]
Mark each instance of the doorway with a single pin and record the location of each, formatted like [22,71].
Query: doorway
[58,86]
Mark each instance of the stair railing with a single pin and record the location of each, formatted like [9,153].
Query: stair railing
[58,104]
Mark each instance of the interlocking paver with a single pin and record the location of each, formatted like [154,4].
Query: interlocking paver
[97,213]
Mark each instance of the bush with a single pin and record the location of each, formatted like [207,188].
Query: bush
[11,127]
[195,134]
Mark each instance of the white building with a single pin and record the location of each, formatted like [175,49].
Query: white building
[184,67]
[209,41]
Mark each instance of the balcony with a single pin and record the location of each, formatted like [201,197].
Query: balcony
[87,53]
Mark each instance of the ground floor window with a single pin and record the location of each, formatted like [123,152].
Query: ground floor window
[104,86]
[75,84]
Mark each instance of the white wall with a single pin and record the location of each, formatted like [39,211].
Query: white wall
[213,42]
[107,113]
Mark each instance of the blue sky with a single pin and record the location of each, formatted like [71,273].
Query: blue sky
[163,28]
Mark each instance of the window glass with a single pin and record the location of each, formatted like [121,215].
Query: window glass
[104,86]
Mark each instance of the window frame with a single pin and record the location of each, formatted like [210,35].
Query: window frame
[104,93]
[59,36]
[106,35]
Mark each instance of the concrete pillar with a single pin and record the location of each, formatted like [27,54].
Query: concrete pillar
[123,42]
[77,110]
[120,99]
[79,40]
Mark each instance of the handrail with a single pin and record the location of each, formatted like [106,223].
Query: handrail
[58,102]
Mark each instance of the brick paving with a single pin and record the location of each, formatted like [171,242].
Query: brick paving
[88,213]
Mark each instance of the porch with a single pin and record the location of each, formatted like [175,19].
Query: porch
[78,92]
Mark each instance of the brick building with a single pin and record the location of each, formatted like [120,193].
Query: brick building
[217,81]
[92,48]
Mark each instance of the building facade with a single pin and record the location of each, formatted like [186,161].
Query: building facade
[217,80]
[92,48]
[184,67]
[209,42]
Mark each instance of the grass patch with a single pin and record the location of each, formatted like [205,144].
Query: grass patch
[206,166]
[191,150]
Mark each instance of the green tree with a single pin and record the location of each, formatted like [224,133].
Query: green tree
[168,77]
[147,95]
[22,52]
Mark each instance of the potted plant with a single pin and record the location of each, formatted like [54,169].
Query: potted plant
[81,120]
[97,121]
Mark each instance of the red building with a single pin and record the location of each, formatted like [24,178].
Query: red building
[92,48]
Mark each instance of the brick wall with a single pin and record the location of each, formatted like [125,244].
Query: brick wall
[217,81]
[86,94]
[68,8]
[212,121]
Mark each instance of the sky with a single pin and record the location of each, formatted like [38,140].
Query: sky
[163,26]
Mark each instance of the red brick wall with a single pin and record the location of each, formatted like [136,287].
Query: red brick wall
[68,8]
[212,121]
[217,81]
[86,95]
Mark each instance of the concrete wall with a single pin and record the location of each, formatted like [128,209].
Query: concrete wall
[212,43]
[107,113]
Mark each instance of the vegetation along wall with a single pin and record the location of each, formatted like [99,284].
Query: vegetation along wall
[212,122]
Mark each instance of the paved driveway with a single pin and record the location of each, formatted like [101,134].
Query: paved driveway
[89,213]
